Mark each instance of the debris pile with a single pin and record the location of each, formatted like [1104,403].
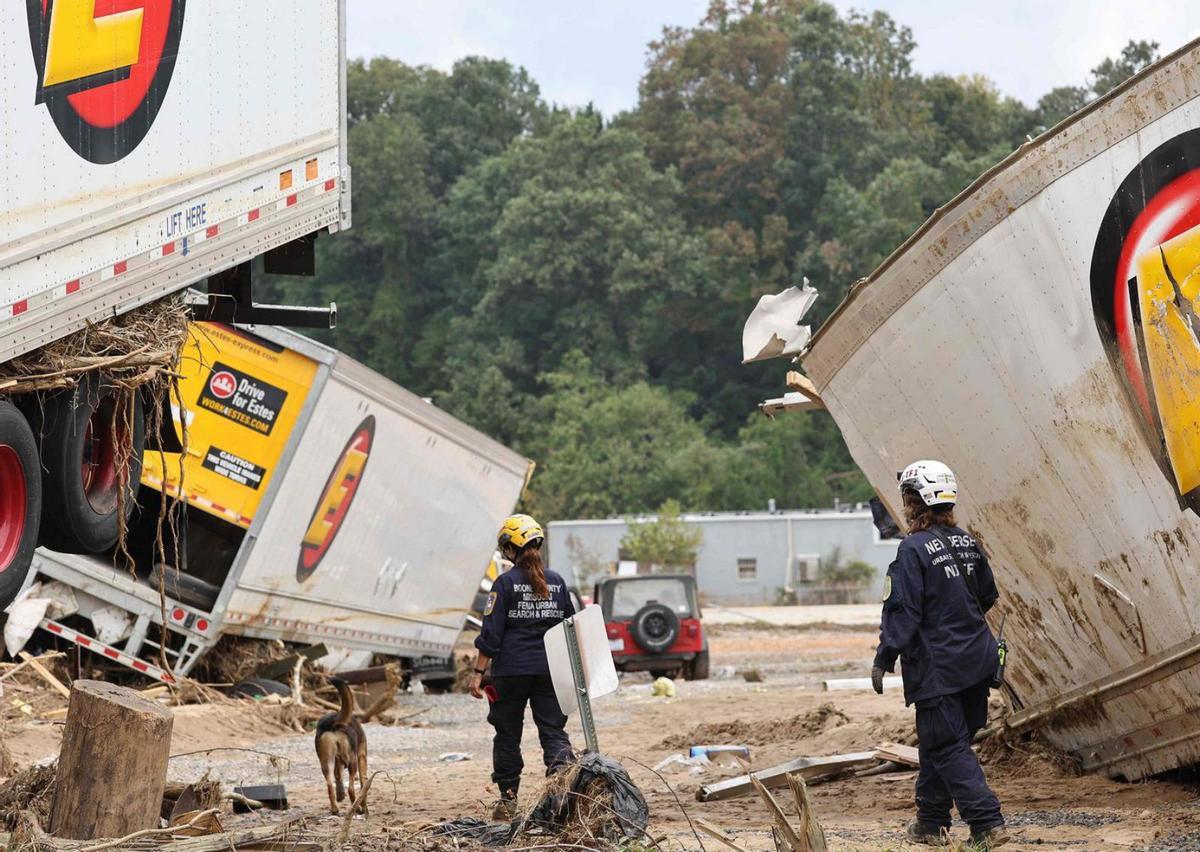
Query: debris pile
[594,804]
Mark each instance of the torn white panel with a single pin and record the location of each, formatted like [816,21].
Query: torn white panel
[24,615]
[793,401]
[773,328]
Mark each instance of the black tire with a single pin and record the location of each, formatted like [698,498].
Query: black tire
[260,687]
[697,669]
[655,627]
[185,588]
[20,500]
[80,476]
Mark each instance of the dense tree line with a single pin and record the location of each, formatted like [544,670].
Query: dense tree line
[575,284]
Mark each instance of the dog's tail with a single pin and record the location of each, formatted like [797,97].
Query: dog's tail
[346,711]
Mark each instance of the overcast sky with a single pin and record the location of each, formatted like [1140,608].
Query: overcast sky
[595,50]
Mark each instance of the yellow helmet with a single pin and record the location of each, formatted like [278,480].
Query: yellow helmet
[519,530]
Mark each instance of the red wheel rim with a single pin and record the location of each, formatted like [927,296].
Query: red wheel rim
[12,505]
[98,466]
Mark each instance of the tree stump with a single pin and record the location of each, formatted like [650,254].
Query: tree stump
[113,763]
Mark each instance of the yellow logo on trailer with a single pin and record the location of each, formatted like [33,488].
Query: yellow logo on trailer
[242,396]
[1168,284]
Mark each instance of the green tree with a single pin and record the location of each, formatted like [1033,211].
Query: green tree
[569,241]
[837,571]
[668,542]
[1112,72]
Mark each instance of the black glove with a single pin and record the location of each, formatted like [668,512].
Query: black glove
[877,679]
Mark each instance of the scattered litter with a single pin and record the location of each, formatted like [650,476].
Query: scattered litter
[710,750]
[663,687]
[696,764]
[455,756]
[723,672]
[752,676]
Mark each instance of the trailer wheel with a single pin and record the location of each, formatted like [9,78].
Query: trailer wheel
[20,500]
[82,430]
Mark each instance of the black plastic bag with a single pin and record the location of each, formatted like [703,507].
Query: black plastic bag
[621,812]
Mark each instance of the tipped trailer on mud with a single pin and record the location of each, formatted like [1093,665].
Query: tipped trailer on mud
[147,147]
[1041,334]
[324,504]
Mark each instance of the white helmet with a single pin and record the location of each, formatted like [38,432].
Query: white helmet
[933,480]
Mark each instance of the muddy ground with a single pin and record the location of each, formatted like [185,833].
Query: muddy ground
[786,715]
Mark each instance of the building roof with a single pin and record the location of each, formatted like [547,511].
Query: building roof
[856,512]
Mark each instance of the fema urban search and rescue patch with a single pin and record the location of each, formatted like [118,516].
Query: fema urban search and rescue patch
[491,603]
[887,587]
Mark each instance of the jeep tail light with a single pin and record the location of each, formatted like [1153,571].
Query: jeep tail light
[693,629]
[613,633]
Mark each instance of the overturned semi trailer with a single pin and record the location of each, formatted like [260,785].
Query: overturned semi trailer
[1040,334]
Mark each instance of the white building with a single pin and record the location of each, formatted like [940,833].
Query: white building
[745,558]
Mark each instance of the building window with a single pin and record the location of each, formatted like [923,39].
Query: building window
[808,566]
[748,569]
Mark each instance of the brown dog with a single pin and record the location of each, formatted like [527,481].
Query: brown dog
[342,744]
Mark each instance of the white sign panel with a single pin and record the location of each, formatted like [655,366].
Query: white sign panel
[599,672]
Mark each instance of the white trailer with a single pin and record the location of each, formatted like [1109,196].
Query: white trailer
[1040,334]
[144,150]
[362,521]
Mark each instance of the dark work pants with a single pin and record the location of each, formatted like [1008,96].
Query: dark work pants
[950,771]
[507,716]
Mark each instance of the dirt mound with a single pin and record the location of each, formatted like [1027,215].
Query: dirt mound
[1028,753]
[764,732]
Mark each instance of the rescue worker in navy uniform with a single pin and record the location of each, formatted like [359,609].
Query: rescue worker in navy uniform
[524,603]
[935,597]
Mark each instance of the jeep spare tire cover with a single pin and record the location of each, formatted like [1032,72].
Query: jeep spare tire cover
[655,628]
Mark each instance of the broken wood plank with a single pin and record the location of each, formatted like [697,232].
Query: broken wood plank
[13,668]
[718,834]
[809,768]
[802,384]
[790,837]
[898,753]
[840,683]
[44,672]
[811,832]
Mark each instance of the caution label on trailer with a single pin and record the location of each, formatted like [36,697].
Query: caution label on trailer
[242,398]
[232,467]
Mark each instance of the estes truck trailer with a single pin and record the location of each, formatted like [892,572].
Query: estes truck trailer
[145,147]
[1040,334]
[324,504]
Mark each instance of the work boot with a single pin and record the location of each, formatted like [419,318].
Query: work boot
[989,838]
[924,833]
[505,809]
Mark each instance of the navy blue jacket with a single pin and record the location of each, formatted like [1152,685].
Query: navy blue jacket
[515,620]
[933,615]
